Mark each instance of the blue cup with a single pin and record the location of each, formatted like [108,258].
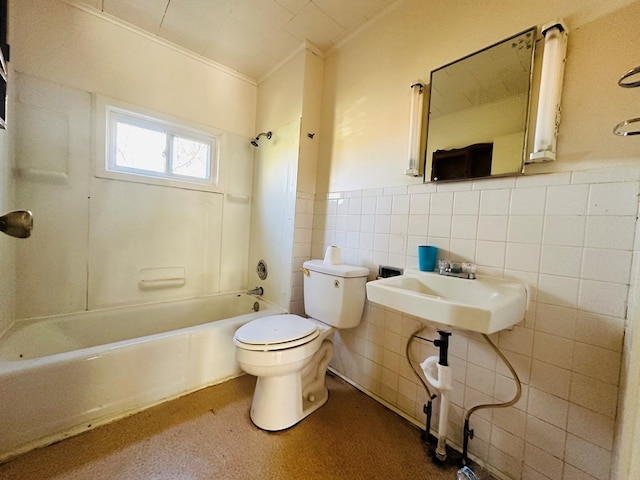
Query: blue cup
[427,258]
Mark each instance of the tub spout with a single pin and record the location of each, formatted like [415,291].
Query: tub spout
[255,291]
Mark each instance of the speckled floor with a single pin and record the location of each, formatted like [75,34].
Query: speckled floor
[208,435]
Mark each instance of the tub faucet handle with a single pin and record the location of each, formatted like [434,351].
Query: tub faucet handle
[256,291]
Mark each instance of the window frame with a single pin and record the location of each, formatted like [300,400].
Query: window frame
[107,114]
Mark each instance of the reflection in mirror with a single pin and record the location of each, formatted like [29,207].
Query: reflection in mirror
[478,112]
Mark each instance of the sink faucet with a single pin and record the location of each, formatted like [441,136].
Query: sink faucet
[457,269]
[255,291]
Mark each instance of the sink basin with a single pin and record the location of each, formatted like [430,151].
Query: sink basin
[485,305]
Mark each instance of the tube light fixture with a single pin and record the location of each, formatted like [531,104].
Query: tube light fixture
[415,128]
[548,118]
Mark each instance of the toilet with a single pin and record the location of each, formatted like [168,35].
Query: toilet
[289,354]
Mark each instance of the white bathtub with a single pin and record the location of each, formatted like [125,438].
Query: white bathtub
[65,374]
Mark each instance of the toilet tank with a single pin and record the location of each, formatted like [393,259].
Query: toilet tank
[334,294]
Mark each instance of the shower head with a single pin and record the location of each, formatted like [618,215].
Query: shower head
[255,141]
[17,224]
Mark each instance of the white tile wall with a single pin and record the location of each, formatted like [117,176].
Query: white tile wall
[302,241]
[570,236]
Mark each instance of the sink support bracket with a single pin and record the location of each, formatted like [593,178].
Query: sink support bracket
[443,344]
[427,409]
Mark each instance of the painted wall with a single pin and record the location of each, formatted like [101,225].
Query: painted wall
[569,234]
[275,180]
[95,238]
[284,184]
[366,92]
[551,230]
[273,212]
[310,137]
[7,244]
[68,46]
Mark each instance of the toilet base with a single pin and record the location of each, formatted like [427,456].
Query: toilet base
[280,402]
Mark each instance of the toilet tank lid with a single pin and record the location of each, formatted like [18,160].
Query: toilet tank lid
[341,270]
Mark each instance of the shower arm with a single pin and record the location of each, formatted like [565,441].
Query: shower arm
[268,134]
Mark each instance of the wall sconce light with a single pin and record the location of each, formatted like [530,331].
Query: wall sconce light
[415,128]
[548,119]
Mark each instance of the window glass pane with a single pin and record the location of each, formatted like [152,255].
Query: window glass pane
[166,153]
[190,158]
[140,148]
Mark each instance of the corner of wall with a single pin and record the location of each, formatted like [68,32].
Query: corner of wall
[7,245]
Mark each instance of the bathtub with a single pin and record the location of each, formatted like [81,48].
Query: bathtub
[64,374]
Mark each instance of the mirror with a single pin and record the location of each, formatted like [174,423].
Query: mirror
[478,112]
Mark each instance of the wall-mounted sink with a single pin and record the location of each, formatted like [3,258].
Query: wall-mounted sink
[484,305]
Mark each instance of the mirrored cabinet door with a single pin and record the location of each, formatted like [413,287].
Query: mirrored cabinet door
[478,112]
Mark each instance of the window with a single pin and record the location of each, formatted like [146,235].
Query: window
[146,148]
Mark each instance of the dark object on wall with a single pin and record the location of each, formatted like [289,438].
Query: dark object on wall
[4,57]
[469,162]
[17,224]
[386,272]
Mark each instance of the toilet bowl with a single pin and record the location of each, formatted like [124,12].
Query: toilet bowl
[289,354]
[290,371]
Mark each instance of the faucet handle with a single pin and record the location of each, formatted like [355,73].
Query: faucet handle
[469,268]
[457,269]
[443,265]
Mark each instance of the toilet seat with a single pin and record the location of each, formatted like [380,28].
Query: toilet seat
[276,332]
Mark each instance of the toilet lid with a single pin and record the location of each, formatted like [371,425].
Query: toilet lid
[276,332]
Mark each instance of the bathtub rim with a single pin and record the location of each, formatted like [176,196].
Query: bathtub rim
[126,306]
[14,366]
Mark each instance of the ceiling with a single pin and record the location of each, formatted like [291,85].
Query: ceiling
[252,37]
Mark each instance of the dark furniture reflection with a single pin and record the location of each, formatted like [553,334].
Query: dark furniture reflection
[4,57]
[468,162]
